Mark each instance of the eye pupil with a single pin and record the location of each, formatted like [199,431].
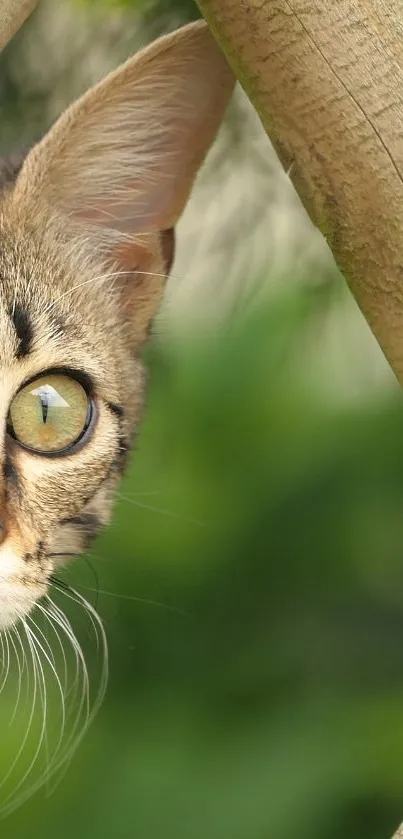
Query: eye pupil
[45,406]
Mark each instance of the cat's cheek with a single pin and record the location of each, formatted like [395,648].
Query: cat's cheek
[74,535]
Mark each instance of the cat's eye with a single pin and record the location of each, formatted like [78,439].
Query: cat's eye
[50,414]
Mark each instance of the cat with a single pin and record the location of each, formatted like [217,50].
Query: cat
[87,240]
[87,220]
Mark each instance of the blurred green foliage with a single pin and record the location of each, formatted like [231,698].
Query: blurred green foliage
[158,15]
[251,586]
[25,95]
[255,578]
[187,9]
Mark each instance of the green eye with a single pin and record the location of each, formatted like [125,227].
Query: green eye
[50,414]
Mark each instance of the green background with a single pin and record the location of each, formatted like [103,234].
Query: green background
[251,588]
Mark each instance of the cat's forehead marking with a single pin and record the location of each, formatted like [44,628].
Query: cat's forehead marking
[17,325]
[24,330]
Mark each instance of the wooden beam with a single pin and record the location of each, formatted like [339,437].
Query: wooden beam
[327,81]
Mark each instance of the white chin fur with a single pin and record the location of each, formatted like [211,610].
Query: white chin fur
[16,600]
[15,603]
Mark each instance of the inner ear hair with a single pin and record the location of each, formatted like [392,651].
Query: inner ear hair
[143,270]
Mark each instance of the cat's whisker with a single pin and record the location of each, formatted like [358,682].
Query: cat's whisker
[102,278]
[20,672]
[25,667]
[2,653]
[76,736]
[161,510]
[9,655]
[52,625]
[43,739]
[10,800]
[146,493]
[68,591]
[73,697]
[6,666]
[143,600]
[51,663]
[5,659]
[61,756]
[40,691]
[8,660]
[62,621]
[102,643]
[130,597]
[43,697]
[91,280]
[49,657]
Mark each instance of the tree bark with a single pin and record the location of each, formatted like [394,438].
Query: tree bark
[326,78]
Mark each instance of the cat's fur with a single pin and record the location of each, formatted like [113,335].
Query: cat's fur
[85,246]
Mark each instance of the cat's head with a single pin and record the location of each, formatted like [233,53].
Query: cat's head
[86,243]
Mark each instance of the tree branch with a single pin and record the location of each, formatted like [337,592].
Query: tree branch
[326,79]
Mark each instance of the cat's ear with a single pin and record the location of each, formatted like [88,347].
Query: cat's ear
[125,155]
[122,159]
